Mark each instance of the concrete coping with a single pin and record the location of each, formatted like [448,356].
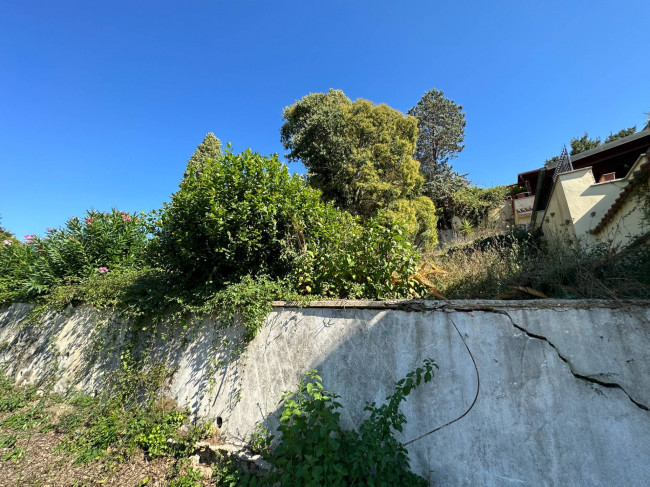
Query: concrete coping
[464,304]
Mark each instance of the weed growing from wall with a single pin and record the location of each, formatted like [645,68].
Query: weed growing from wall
[314,449]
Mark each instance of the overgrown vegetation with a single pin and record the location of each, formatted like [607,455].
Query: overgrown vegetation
[314,449]
[128,420]
[524,264]
[238,224]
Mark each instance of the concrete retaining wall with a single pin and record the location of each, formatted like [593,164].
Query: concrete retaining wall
[557,392]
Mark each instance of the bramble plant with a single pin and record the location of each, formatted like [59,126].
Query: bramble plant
[314,449]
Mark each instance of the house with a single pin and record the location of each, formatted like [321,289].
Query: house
[595,196]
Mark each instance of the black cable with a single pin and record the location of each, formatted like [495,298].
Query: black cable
[478,388]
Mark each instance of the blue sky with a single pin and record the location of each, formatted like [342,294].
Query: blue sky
[102,103]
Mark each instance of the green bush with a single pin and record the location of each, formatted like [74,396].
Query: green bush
[473,203]
[420,220]
[97,244]
[232,219]
[348,259]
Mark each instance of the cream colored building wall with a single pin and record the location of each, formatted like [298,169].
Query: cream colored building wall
[589,206]
[628,222]
[501,216]
[624,227]
[557,217]
[578,204]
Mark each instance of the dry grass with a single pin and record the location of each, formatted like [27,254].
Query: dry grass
[489,268]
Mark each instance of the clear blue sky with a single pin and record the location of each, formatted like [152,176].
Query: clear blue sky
[103,102]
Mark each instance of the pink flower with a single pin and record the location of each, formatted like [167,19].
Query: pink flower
[29,238]
[6,242]
[103,270]
[89,220]
[50,230]
[125,217]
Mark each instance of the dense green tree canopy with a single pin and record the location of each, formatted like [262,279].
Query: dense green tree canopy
[441,131]
[209,149]
[357,153]
[620,134]
[584,143]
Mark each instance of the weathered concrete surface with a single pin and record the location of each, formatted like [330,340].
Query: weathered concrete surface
[563,396]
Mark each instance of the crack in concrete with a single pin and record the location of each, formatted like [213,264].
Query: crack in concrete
[577,375]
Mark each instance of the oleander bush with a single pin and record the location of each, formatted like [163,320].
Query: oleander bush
[98,243]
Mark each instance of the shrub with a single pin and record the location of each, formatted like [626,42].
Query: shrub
[347,259]
[314,449]
[419,218]
[96,244]
[231,219]
[243,215]
[473,203]
[17,281]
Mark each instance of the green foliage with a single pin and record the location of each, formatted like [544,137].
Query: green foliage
[347,259]
[128,416]
[208,150]
[97,244]
[441,131]
[13,398]
[232,219]
[620,134]
[315,450]
[584,143]
[473,203]
[419,218]
[187,478]
[357,153]
[250,300]
[466,228]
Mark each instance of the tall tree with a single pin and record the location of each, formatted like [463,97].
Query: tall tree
[209,149]
[357,153]
[441,132]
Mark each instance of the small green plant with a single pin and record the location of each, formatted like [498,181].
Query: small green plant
[127,417]
[466,228]
[8,441]
[185,476]
[14,455]
[13,398]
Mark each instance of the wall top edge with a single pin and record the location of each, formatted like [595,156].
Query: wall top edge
[465,304]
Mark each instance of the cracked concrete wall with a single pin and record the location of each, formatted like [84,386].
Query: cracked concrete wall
[547,392]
